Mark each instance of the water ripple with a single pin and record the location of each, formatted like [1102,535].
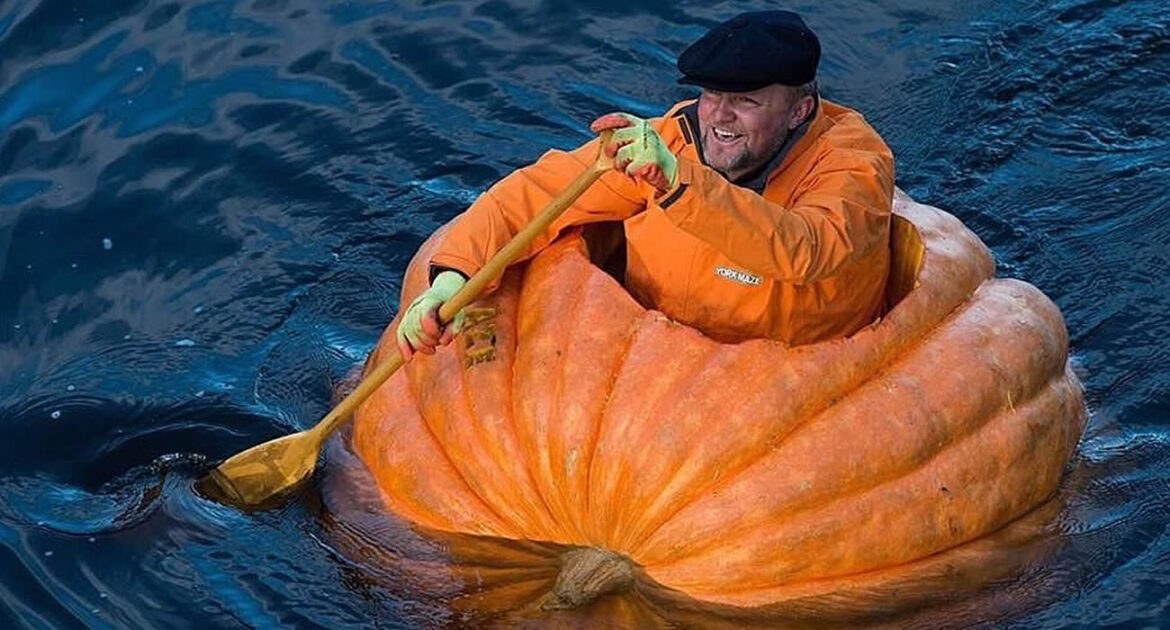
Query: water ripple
[206,209]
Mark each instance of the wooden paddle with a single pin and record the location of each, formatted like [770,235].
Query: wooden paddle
[262,475]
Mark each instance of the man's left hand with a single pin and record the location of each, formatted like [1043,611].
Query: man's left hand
[638,150]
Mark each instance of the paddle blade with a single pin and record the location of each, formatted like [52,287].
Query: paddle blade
[264,474]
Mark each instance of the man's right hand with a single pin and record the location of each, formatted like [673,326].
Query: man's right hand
[420,329]
[638,150]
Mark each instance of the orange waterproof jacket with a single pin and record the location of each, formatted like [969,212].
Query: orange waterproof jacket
[805,260]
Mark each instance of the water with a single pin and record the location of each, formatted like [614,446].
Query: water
[206,207]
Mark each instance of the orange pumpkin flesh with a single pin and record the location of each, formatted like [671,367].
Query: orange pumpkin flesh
[749,482]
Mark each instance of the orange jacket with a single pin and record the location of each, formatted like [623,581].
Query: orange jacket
[807,260]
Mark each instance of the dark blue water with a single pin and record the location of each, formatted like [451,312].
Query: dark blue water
[206,207]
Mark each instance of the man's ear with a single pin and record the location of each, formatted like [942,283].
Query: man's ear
[801,112]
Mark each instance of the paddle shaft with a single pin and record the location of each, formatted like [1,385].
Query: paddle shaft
[466,295]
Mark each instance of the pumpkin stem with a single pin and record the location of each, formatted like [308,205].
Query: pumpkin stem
[586,574]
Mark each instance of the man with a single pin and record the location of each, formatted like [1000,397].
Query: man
[758,210]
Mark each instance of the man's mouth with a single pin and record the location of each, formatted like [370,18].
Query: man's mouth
[725,136]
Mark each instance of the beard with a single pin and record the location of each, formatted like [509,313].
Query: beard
[745,161]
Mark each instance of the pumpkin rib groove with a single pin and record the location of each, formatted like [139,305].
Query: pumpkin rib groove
[470,402]
[442,447]
[366,436]
[542,451]
[963,427]
[547,374]
[810,416]
[669,483]
[576,324]
[729,477]
[549,520]
[415,390]
[645,434]
[816,514]
[971,427]
[683,377]
[630,338]
[725,477]
[919,577]
[419,502]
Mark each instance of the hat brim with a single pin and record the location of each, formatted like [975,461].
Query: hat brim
[722,86]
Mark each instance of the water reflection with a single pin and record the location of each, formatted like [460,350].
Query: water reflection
[264,169]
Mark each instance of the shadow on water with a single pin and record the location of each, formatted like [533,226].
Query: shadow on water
[206,207]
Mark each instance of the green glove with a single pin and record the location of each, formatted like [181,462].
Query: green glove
[638,150]
[420,329]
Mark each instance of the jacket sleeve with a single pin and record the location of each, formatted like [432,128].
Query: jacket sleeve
[504,209]
[842,206]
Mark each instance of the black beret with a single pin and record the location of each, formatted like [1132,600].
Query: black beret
[752,50]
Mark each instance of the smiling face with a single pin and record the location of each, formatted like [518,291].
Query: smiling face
[741,131]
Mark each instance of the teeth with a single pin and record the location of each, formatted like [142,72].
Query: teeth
[726,135]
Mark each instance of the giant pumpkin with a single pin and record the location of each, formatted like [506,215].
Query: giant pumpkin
[575,450]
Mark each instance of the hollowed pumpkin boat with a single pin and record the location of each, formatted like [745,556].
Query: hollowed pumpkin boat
[577,452]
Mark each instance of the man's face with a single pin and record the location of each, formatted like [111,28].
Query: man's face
[741,131]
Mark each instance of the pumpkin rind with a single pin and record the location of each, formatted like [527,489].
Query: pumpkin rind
[738,475]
